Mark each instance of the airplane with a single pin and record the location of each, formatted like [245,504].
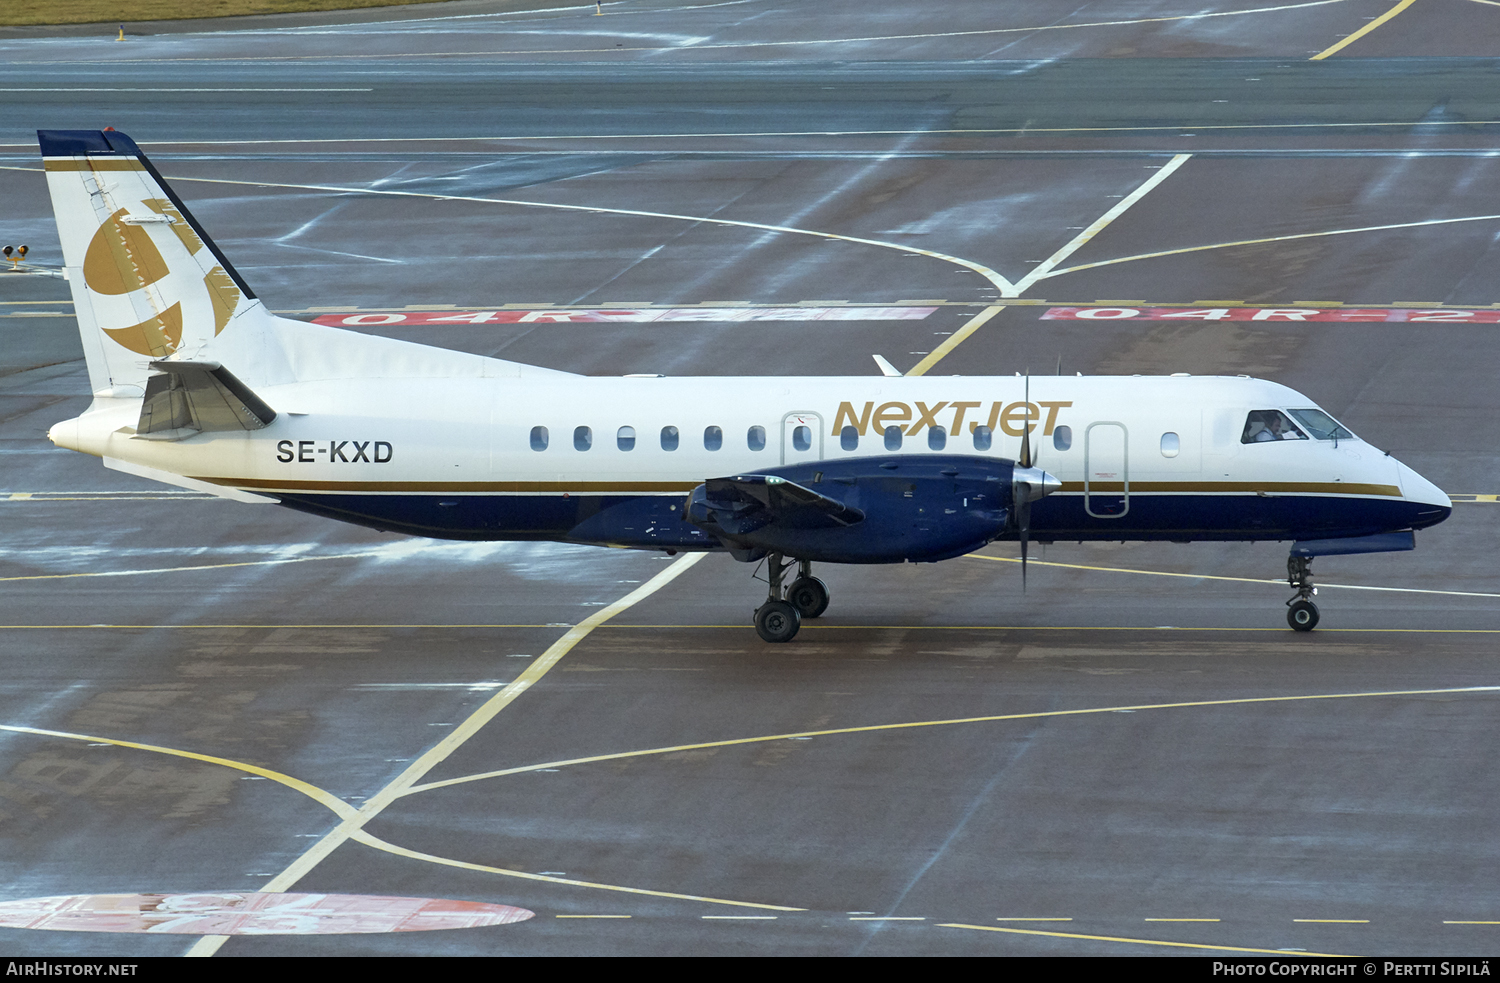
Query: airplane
[196,384]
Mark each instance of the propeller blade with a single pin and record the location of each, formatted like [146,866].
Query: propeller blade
[1026,427]
[1024,521]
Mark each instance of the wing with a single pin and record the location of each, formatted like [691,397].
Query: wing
[746,502]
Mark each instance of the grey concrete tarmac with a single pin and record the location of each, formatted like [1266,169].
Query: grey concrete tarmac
[1174,769]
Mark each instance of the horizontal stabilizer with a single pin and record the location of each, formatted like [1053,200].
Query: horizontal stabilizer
[192,484]
[1385,542]
[198,397]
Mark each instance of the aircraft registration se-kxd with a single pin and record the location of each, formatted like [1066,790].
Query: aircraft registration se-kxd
[197,384]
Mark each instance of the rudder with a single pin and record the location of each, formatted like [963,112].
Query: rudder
[147,282]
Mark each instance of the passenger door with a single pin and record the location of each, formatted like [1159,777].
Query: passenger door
[1106,470]
[801,437]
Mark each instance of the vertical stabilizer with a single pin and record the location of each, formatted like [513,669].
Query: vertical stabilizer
[148,283]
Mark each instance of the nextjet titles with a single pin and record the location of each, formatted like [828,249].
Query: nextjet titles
[346,451]
[1008,418]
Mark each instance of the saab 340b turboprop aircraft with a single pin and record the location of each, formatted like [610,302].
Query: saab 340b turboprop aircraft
[196,384]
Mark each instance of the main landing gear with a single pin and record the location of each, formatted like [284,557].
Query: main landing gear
[778,619]
[1301,612]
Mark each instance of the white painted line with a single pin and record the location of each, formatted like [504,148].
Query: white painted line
[999,281]
[1050,263]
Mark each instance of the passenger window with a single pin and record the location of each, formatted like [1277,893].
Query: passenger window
[538,438]
[937,438]
[1170,445]
[583,438]
[802,438]
[669,438]
[983,435]
[849,439]
[625,438]
[713,438]
[756,438]
[1062,438]
[893,438]
[1266,425]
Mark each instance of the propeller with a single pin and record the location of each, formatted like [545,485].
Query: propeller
[1023,499]
[1028,484]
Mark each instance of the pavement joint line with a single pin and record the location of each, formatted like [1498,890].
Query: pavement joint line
[912,725]
[532,52]
[742,627]
[1111,938]
[352,827]
[1240,580]
[904,302]
[1350,39]
[971,131]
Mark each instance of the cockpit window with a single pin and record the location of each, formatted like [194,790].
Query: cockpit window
[1321,425]
[1262,425]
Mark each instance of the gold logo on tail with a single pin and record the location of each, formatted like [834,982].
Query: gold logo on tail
[162,206]
[157,337]
[224,294]
[121,258]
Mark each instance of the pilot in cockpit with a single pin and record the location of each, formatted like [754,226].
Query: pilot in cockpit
[1263,425]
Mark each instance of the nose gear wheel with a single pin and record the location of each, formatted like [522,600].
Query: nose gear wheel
[1301,612]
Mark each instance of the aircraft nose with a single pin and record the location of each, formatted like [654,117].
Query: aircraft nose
[1418,489]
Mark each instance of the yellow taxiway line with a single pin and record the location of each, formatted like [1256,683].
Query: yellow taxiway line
[352,826]
[1363,30]
[912,725]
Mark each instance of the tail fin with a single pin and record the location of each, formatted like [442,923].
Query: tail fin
[147,282]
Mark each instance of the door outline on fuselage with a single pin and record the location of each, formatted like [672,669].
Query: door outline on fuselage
[1124,469]
[802,416]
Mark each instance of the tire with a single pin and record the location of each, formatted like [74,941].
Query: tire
[1302,615]
[777,621]
[809,596]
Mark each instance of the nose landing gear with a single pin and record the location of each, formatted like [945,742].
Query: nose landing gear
[1301,612]
[778,619]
